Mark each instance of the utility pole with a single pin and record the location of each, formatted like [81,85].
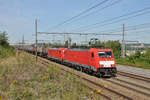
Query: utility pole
[64,37]
[23,41]
[86,42]
[36,39]
[123,42]
[69,42]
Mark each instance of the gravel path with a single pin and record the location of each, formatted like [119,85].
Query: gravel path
[134,70]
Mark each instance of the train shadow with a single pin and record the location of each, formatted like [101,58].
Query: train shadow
[106,77]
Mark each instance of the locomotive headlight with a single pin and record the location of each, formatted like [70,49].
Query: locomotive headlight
[112,65]
[101,65]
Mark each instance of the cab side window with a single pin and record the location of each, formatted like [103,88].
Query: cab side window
[92,55]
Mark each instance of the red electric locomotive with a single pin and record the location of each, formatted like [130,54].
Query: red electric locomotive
[97,61]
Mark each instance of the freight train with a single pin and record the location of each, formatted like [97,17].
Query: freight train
[99,62]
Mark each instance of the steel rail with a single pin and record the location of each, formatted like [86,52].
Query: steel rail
[140,86]
[146,79]
[138,91]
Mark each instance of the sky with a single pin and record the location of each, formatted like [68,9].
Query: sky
[17,19]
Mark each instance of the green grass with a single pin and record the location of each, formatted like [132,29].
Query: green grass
[23,79]
[139,62]
[6,52]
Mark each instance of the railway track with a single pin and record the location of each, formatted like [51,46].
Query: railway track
[131,87]
[138,77]
[112,93]
[133,84]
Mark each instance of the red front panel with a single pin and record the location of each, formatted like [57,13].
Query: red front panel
[105,62]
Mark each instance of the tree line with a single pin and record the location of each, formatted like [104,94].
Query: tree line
[5,49]
[4,40]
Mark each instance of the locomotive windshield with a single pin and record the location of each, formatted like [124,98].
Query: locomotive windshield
[105,54]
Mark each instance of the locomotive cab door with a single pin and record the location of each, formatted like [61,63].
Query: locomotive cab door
[92,58]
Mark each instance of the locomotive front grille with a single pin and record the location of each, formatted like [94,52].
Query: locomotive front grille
[107,70]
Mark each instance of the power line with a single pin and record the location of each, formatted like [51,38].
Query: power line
[110,20]
[128,28]
[123,19]
[70,33]
[109,32]
[83,12]
[148,31]
[87,15]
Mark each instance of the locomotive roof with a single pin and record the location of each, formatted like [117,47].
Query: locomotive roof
[54,48]
[78,49]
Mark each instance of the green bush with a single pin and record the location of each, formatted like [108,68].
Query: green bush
[137,60]
[6,52]
[137,55]
[147,54]
[4,39]
[5,49]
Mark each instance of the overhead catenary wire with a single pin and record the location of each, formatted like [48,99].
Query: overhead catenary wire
[89,14]
[117,31]
[128,28]
[130,31]
[70,33]
[119,19]
[81,13]
[116,18]
[128,18]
